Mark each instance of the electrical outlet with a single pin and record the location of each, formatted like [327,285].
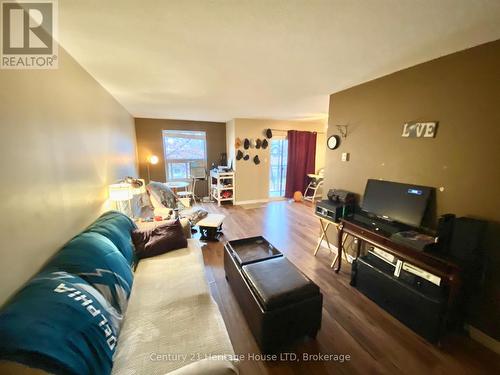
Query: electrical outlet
[345,156]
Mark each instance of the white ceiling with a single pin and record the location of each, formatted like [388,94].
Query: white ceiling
[220,59]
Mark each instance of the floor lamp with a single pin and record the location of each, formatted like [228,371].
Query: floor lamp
[153,160]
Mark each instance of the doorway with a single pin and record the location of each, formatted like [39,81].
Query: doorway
[277,167]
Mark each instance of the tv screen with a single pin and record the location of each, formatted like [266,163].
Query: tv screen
[403,203]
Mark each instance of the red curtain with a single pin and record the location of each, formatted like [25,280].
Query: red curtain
[301,155]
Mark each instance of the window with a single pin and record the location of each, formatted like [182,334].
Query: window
[183,150]
[277,167]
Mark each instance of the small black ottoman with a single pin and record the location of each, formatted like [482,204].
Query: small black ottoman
[278,301]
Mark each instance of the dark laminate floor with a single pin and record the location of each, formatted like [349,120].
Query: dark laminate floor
[376,342]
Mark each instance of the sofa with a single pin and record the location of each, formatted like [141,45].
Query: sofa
[93,310]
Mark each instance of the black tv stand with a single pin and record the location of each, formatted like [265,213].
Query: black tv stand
[446,269]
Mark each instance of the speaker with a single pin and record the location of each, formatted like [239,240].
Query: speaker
[333,210]
[444,232]
[460,238]
[382,265]
[466,238]
[340,196]
[422,285]
[464,246]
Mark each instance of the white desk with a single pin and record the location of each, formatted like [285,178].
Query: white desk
[174,185]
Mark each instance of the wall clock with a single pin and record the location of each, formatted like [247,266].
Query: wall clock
[333,142]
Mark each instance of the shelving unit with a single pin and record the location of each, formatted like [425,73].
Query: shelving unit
[221,182]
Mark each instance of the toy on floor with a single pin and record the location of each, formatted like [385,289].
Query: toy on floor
[297,196]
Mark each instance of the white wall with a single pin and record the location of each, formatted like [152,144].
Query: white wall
[63,139]
[230,139]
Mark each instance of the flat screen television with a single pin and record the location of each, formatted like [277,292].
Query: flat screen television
[395,201]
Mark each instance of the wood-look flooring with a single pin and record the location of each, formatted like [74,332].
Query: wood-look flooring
[352,325]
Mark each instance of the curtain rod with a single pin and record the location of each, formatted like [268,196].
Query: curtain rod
[286,130]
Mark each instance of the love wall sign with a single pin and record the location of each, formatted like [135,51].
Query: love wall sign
[419,129]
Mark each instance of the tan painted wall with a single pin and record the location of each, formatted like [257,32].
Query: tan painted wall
[462,92]
[150,142]
[252,181]
[63,140]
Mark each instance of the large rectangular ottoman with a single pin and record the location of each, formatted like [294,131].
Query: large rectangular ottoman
[280,304]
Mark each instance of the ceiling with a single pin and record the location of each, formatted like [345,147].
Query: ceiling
[220,59]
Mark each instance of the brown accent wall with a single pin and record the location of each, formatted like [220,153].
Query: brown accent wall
[63,139]
[150,142]
[462,92]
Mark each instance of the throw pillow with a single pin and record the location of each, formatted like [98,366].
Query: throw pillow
[158,240]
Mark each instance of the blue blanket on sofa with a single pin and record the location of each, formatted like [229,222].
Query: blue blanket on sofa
[67,318]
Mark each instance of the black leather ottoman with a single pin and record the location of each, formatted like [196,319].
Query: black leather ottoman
[278,301]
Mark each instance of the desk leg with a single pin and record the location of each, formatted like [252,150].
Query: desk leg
[344,241]
[326,237]
[340,242]
[323,235]
[334,261]
[329,248]
[340,245]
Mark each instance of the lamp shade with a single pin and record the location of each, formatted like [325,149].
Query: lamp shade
[120,192]
[153,159]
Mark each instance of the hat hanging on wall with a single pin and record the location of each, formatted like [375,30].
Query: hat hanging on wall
[265,143]
[246,144]
[258,143]
[239,155]
[237,143]
[252,143]
[246,157]
[269,133]
[256,159]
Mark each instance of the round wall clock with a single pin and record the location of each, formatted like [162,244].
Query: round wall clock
[333,142]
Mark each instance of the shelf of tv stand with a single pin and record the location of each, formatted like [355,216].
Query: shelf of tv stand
[438,265]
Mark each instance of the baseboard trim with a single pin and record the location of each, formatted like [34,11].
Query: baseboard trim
[277,199]
[335,250]
[325,246]
[483,338]
[238,203]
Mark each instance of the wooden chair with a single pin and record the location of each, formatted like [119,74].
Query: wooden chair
[198,173]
